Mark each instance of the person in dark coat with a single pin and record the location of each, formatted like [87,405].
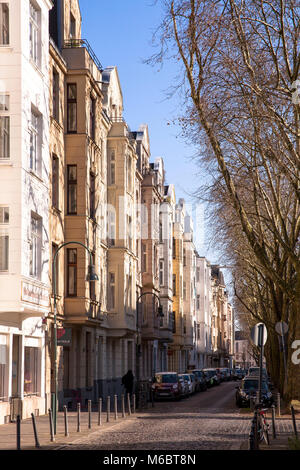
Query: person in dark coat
[127,381]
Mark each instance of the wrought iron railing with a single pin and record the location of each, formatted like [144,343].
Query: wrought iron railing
[73,43]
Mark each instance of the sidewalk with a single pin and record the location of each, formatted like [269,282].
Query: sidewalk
[8,432]
[284,432]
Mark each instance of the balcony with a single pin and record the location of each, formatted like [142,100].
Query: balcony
[167,328]
[79,55]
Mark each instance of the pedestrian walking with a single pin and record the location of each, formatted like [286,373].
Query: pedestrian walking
[127,381]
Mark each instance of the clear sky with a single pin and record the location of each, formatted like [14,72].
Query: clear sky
[120,33]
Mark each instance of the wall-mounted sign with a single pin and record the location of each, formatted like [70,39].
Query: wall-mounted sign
[35,294]
[64,336]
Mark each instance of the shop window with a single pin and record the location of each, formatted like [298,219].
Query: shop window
[30,370]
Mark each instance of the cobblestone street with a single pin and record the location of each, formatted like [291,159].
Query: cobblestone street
[208,420]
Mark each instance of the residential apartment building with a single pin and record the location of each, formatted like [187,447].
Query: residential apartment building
[203,312]
[166,221]
[189,293]
[24,205]
[178,357]
[243,353]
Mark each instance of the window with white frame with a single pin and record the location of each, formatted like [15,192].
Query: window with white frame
[35,261]
[4,127]
[111,291]
[4,24]
[34,33]
[35,142]
[111,226]
[4,238]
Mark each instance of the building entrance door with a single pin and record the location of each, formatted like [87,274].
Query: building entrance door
[16,366]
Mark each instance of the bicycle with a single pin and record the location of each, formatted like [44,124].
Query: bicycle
[262,425]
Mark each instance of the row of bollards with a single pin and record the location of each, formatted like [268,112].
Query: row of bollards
[131,409]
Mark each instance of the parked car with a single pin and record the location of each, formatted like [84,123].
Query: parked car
[248,389]
[226,373]
[184,387]
[254,372]
[166,385]
[194,383]
[213,377]
[190,381]
[239,374]
[201,379]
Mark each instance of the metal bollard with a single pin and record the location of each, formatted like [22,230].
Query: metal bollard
[128,404]
[116,407]
[294,422]
[66,421]
[89,414]
[18,432]
[278,403]
[273,421]
[52,438]
[123,406]
[37,444]
[78,417]
[134,403]
[100,412]
[108,410]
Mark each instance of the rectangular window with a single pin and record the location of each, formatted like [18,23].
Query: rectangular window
[71,272]
[161,272]
[174,284]
[55,95]
[92,284]
[92,196]
[4,215]
[111,227]
[54,249]
[4,137]
[72,189]
[92,118]
[72,27]
[36,247]
[198,302]
[4,24]
[184,257]
[55,181]
[4,247]
[112,168]
[3,365]
[184,290]
[174,248]
[198,274]
[30,370]
[144,258]
[129,232]
[129,171]
[35,143]
[111,291]
[34,33]
[72,108]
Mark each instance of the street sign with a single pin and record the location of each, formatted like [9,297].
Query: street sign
[64,336]
[281,328]
[259,332]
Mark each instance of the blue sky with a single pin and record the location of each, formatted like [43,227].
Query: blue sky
[120,33]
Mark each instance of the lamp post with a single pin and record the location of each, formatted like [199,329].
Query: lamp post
[160,314]
[91,277]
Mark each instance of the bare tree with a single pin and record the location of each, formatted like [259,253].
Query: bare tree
[240,62]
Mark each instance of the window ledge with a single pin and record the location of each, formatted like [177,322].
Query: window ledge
[5,162]
[6,48]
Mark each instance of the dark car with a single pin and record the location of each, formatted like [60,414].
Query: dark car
[248,389]
[213,377]
[201,383]
[166,385]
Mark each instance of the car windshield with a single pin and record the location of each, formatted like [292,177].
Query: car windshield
[253,385]
[198,373]
[186,377]
[210,373]
[166,378]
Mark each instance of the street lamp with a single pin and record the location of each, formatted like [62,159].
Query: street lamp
[91,277]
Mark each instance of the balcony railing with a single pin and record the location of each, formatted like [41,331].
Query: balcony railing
[73,43]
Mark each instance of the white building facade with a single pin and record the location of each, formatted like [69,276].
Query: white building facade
[24,204]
